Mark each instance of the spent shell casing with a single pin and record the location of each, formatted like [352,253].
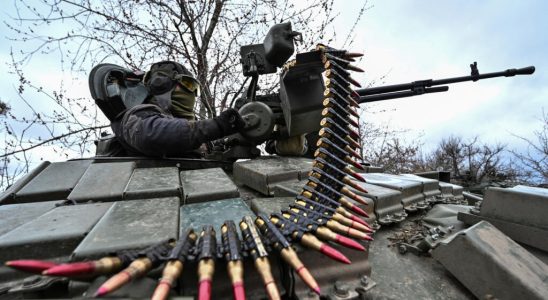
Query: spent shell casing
[344,110]
[31,265]
[102,266]
[342,130]
[137,268]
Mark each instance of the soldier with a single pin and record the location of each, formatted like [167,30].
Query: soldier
[165,125]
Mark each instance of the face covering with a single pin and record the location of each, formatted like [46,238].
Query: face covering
[182,103]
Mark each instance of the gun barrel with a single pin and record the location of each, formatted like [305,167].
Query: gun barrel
[423,86]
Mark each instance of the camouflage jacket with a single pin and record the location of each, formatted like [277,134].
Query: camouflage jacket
[148,130]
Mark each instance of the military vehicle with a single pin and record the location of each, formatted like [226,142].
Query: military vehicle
[240,224]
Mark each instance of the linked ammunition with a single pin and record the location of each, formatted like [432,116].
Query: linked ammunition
[325,143]
[328,133]
[341,171]
[137,268]
[102,266]
[337,52]
[307,239]
[325,154]
[331,113]
[331,212]
[232,252]
[331,65]
[279,242]
[30,265]
[352,217]
[207,245]
[148,259]
[343,99]
[174,265]
[341,63]
[314,182]
[343,89]
[330,123]
[336,58]
[328,213]
[256,248]
[329,222]
[345,110]
[342,189]
[331,73]
[340,186]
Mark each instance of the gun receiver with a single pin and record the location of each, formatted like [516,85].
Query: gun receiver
[431,86]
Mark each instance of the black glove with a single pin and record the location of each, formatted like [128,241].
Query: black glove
[230,121]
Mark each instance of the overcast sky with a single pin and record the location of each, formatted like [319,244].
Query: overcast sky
[410,40]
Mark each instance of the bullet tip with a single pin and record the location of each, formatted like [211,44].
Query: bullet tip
[333,253]
[72,269]
[30,265]
[101,292]
[204,290]
[317,290]
[239,292]
[350,243]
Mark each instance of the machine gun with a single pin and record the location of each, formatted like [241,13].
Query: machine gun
[428,86]
[296,108]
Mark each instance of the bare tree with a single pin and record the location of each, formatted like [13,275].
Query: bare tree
[536,156]
[471,161]
[203,35]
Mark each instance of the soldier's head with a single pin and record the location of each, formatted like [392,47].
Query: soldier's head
[173,87]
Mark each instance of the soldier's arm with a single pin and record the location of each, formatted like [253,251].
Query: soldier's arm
[155,134]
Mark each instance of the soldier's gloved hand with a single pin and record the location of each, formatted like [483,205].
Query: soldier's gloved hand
[230,121]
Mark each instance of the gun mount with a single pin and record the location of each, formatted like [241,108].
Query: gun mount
[296,108]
